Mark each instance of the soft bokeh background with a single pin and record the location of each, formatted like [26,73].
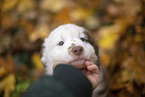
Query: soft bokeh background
[118,26]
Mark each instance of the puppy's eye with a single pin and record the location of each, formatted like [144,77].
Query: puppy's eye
[83,39]
[60,43]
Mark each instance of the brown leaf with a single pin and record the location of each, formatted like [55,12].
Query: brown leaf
[7,82]
[8,21]
[62,17]
[127,8]
[135,71]
[105,58]
[40,32]
[6,66]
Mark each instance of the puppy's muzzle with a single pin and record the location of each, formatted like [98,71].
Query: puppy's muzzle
[77,50]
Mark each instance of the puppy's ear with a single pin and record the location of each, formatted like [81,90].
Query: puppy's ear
[92,41]
[94,44]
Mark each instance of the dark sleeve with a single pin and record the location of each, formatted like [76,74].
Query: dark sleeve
[74,79]
[67,81]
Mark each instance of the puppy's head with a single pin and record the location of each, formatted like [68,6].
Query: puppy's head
[68,44]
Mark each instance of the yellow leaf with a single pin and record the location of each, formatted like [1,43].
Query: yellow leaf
[7,81]
[41,32]
[108,36]
[8,5]
[53,5]
[37,61]
[81,14]
[25,5]
[7,84]
[125,76]
[92,22]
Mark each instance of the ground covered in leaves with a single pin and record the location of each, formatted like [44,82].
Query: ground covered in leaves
[118,26]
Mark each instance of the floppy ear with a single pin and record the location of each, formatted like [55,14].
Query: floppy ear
[93,43]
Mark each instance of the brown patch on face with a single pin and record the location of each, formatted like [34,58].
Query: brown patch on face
[92,42]
[70,49]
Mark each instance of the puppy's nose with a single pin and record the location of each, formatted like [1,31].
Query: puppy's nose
[77,50]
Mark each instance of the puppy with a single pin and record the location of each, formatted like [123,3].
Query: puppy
[72,44]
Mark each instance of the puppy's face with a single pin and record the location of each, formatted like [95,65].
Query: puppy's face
[68,44]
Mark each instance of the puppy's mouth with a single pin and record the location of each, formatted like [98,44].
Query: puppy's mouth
[79,63]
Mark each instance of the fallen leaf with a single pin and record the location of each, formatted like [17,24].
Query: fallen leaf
[92,22]
[131,7]
[7,84]
[135,71]
[127,8]
[52,5]
[8,5]
[89,3]
[37,61]
[7,81]
[5,42]
[105,58]
[62,17]
[108,36]
[6,66]
[7,21]
[25,6]
[80,14]
[41,32]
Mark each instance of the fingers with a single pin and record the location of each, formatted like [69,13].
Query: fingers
[88,63]
[91,66]
[93,73]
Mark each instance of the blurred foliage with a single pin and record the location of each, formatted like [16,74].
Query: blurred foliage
[118,27]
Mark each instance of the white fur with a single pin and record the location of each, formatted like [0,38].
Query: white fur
[70,34]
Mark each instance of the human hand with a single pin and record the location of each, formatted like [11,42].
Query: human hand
[92,73]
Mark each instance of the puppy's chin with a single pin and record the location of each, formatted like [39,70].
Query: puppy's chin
[80,63]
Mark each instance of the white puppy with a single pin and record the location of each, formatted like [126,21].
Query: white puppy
[72,44]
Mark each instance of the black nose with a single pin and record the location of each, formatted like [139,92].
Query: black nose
[77,50]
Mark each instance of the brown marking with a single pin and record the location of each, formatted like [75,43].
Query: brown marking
[92,42]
